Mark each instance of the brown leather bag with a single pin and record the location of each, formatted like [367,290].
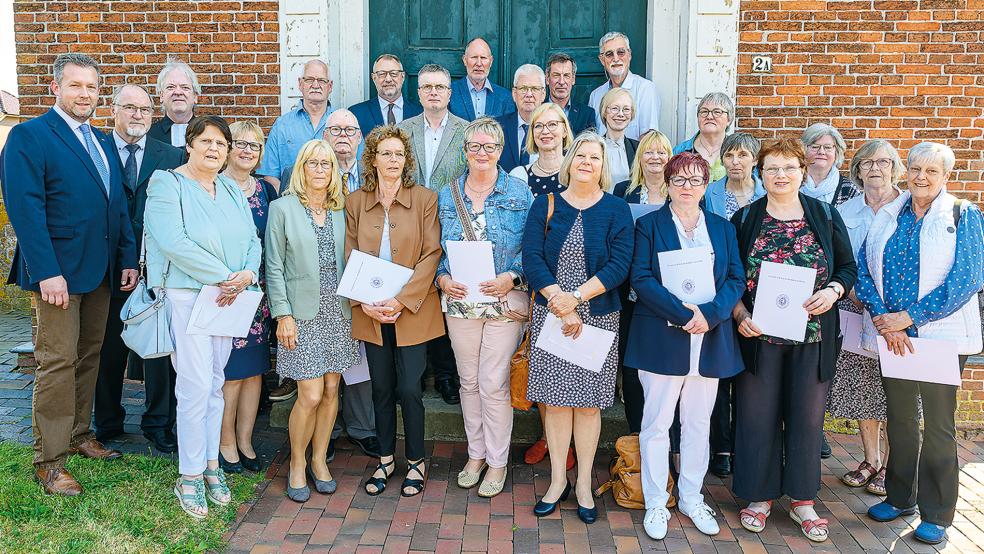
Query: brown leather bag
[519,368]
[626,472]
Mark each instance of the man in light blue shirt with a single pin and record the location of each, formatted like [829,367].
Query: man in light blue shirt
[474,95]
[615,55]
[303,123]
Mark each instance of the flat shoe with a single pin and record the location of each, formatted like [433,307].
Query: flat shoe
[492,488]
[467,479]
[324,487]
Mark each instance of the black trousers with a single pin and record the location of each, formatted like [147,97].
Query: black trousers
[631,387]
[440,359]
[395,372]
[160,403]
[780,409]
[928,478]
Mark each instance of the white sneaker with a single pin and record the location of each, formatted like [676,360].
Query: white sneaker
[703,517]
[655,522]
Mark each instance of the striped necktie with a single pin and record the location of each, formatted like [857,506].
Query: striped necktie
[97,160]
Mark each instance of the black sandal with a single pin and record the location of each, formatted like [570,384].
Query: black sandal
[379,482]
[416,484]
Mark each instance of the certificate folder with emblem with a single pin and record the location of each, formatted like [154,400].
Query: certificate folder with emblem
[782,290]
[370,279]
[689,274]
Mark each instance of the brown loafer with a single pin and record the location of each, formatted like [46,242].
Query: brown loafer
[95,450]
[58,481]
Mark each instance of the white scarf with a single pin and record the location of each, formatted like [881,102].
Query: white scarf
[825,190]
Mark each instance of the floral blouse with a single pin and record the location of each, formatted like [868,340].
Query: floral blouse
[787,242]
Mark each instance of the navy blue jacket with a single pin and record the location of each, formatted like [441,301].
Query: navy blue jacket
[370,116]
[653,345]
[581,117]
[607,246]
[513,153]
[498,103]
[65,222]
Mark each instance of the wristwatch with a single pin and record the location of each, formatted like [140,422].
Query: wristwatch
[517,280]
[838,288]
[577,296]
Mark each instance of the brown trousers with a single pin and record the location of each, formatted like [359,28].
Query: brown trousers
[67,350]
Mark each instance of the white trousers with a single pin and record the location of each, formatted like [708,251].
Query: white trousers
[199,362]
[696,396]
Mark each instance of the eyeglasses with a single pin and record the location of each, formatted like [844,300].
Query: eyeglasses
[336,131]
[524,90]
[716,112]
[392,74]
[433,88]
[694,182]
[882,163]
[825,148]
[132,110]
[489,147]
[312,80]
[313,165]
[620,52]
[220,144]
[615,110]
[775,171]
[551,126]
[244,144]
[396,154]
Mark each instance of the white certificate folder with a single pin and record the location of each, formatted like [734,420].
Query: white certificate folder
[689,274]
[471,264]
[782,290]
[234,320]
[590,350]
[370,279]
[934,361]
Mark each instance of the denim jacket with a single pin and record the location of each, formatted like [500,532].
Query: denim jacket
[505,216]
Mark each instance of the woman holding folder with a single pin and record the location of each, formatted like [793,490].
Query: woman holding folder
[576,263]
[394,218]
[681,346]
[305,242]
[781,396]
[485,204]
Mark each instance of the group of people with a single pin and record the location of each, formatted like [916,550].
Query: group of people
[549,184]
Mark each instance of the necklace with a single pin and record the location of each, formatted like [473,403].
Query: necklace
[316,211]
[477,191]
[706,149]
[545,170]
[685,229]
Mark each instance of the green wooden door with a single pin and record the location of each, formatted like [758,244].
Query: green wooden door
[519,31]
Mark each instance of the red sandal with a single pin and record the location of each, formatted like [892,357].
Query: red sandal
[758,517]
[809,526]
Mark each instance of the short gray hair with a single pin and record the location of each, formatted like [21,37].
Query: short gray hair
[120,88]
[934,151]
[741,141]
[488,126]
[435,68]
[612,35]
[171,65]
[73,58]
[817,131]
[719,99]
[868,150]
[561,57]
[531,70]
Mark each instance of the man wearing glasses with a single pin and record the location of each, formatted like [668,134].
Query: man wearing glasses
[389,107]
[474,95]
[305,122]
[343,133]
[141,156]
[529,90]
[178,87]
[615,55]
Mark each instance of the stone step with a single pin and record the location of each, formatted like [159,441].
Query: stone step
[444,422]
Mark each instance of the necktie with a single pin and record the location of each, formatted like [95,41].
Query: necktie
[524,156]
[345,179]
[130,167]
[90,146]
[390,116]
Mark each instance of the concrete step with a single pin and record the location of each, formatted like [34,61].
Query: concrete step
[444,422]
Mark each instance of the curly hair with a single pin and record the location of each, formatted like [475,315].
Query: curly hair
[379,134]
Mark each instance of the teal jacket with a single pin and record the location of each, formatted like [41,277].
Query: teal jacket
[293,274]
[204,240]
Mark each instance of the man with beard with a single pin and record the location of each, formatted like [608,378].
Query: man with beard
[389,107]
[615,55]
[178,87]
[141,156]
[63,190]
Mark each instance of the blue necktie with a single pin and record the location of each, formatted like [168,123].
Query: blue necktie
[90,145]
[130,167]
[524,156]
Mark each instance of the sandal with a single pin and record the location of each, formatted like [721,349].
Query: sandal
[193,503]
[379,482]
[860,476]
[754,521]
[877,485]
[416,484]
[218,493]
[813,529]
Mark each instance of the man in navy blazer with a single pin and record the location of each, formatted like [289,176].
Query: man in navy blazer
[561,74]
[474,96]
[529,90]
[63,189]
[388,77]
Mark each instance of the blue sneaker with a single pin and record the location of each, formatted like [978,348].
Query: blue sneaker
[930,533]
[884,511]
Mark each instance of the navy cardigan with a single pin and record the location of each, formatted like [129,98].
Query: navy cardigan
[653,345]
[607,246]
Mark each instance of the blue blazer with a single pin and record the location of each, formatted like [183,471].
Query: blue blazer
[498,103]
[653,345]
[513,153]
[581,117]
[370,116]
[65,222]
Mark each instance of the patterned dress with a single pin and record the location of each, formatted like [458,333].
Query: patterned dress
[543,185]
[557,382]
[325,343]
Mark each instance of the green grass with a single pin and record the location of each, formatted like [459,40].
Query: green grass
[128,506]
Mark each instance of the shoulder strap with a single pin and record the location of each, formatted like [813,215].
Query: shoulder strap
[958,207]
[459,206]
[550,210]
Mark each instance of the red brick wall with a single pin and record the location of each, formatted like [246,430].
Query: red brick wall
[233,46]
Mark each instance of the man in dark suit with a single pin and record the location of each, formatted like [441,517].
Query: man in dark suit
[141,156]
[474,96]
[388,77]
[529,90]
[178,87]
[561,74]
[63,189]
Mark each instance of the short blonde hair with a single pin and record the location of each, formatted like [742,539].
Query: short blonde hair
[298,181]
[648,140]
[244,127]
[609,98]
[540,111]
[586,137]
[485,125]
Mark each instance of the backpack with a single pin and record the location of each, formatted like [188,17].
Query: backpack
[626,472]
[959,205]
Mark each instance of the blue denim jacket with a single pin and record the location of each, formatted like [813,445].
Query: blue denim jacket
[505,217]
